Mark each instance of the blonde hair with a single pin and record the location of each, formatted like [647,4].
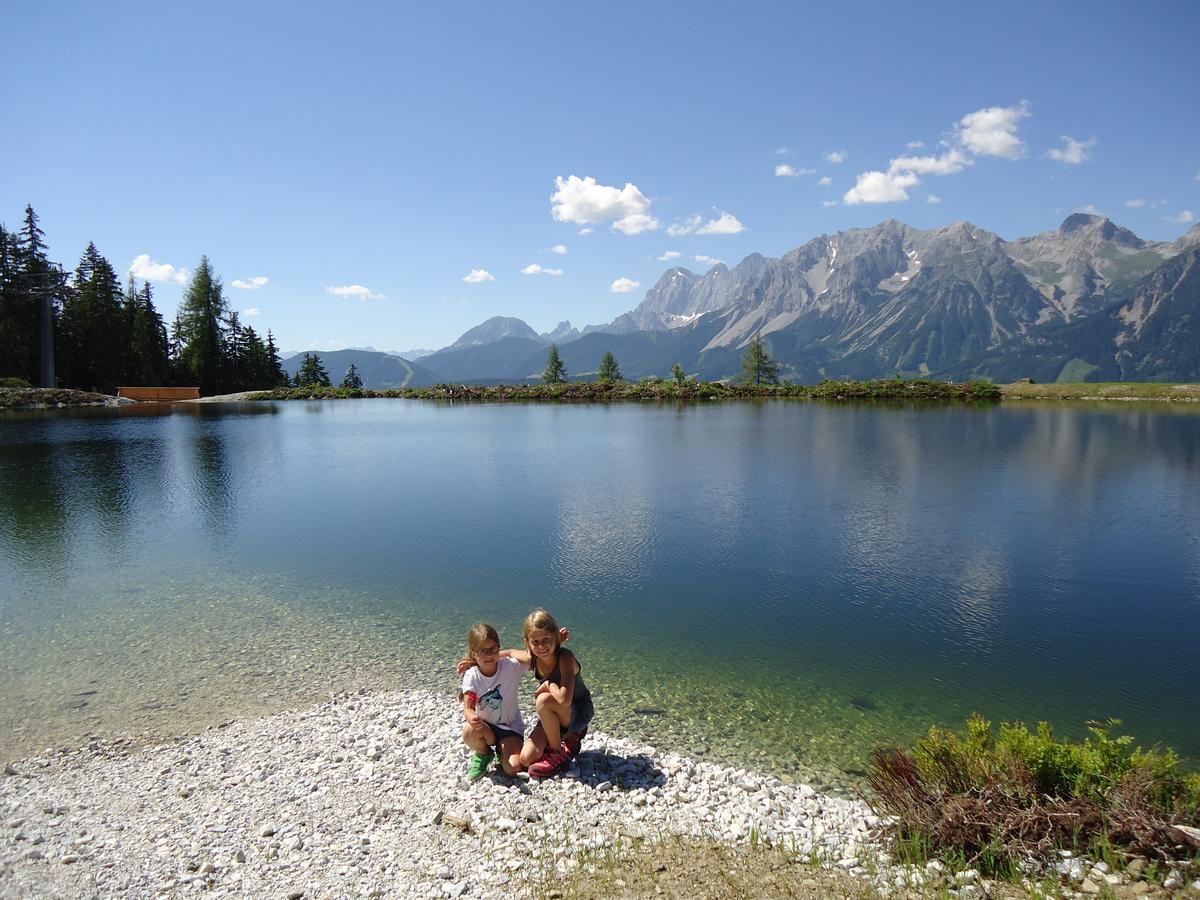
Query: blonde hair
[478,634]
[540,620]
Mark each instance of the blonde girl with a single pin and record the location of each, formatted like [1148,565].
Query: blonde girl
[564,703]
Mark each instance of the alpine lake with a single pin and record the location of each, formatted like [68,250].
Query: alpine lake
[781,584]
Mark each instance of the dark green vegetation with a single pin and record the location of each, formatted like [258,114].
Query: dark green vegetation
[609,370]
[556,372]
[351,379]
[312,373]
[990,801]
[757,366]
[105,336]
[661,389]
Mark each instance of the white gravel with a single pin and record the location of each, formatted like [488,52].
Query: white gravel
[366,795]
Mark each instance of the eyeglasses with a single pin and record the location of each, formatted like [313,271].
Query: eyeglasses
[541,642]
[486,651]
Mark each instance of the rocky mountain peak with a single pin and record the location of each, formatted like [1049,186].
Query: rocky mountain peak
[494,329]
[1097,229]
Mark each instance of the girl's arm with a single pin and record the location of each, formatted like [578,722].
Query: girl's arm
[524,657]
[568,669]
[468,704]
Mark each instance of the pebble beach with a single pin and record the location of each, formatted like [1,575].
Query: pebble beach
[365,795]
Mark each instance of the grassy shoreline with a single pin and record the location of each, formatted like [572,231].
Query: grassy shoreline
[886,390]
[655,389]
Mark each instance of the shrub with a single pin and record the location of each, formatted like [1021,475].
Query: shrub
[992,800]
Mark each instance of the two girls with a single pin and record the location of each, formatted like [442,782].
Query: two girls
[564,703]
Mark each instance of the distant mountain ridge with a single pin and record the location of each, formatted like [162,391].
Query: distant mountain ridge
[380,371]
[1089,297]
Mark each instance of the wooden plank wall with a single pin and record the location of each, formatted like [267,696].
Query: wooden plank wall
[159,394]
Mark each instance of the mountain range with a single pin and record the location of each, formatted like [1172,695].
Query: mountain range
[1089,301]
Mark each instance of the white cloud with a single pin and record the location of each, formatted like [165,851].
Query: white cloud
[253,284]
[726,223]
[825,182]
[1158,203]
[636,224]
[784,151]
[903,171]
[145,268]
[948,163]
[252,311]
[354,290]
[669,255]
[828,203]
[915,145]
[1074,152]
[475,276]
[993,131]
[1182,217]
[560,249]
[624,286]
[535,269]
[585,202]
[933,198]
[783,170]
[880,187]
[686,227]
[1135,204]
[985,132]
[1091,209]
[1197,178]
[707,260]
[837,157]
[584,232]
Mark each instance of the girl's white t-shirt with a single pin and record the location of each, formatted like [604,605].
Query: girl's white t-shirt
[498,693]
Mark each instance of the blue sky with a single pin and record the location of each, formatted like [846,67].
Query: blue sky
[346,168]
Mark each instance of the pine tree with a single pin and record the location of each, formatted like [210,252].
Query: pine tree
[757,365]
[277,377]
[351,380]
[311,372]
[203,313]
[39,287]
[93,336]
[235,372]
[18,317]
[678,374]
[556,372]
[149,362]
[258,373]
[609,370]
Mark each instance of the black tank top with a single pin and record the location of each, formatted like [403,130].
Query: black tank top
[581,691]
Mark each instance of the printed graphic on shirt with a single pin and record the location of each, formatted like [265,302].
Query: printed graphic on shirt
[491,702]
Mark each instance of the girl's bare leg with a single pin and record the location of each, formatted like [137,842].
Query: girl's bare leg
[534,748]
[480,741]
[554,717]
[510,755]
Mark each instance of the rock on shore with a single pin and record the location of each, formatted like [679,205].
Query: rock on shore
[365,795]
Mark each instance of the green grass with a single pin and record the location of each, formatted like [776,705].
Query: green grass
[1103,390]
[1075,371]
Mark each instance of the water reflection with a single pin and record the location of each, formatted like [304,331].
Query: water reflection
[843,573]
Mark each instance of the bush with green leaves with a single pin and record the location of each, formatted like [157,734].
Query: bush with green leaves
[994,798]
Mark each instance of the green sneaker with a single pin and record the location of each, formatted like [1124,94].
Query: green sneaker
[479,764]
